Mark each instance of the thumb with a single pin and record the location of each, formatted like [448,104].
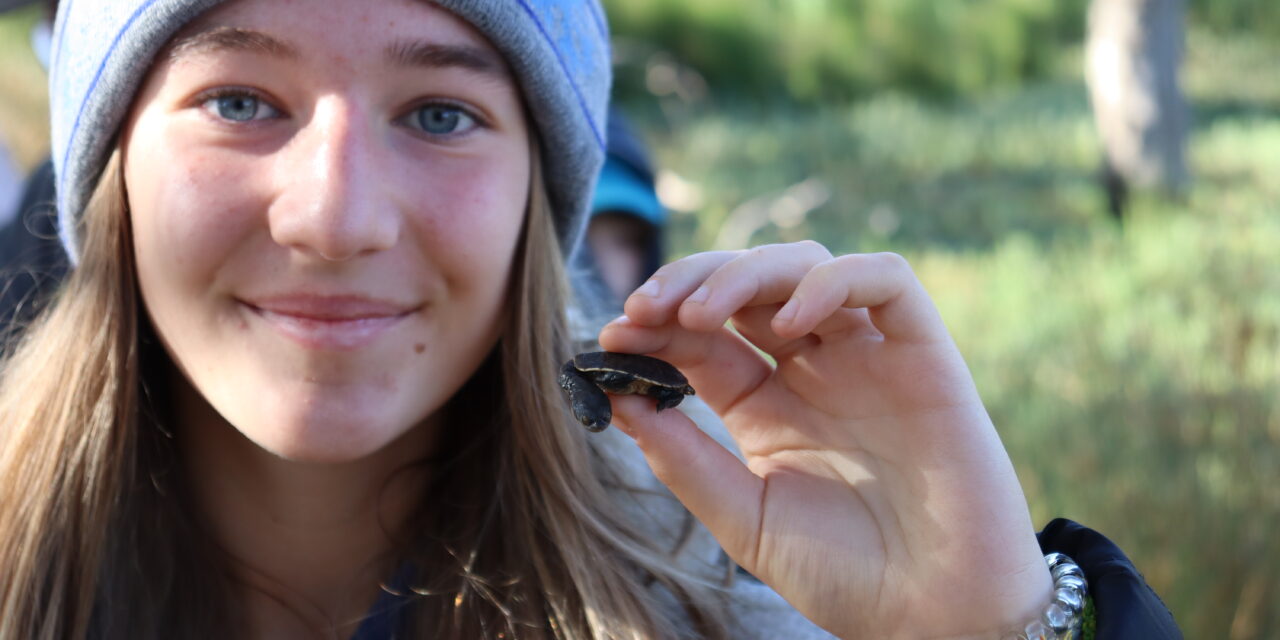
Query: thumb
[713,484]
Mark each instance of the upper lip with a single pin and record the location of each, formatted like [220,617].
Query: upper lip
[334,308]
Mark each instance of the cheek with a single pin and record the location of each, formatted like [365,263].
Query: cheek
[185,219]
[473,217]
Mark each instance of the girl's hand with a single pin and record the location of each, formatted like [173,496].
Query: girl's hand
[876,497]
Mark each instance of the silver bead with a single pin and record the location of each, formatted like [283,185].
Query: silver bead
[1054,559]
[1056,617]
[1075,583]
[1066,570]
[1038,631]
[1061,619]
[1070,600]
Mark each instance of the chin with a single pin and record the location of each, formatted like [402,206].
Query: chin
[310,451]
[325,437]
[305,419]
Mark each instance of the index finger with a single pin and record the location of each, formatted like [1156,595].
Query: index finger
[656,301]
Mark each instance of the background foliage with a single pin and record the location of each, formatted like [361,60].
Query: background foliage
[1132,369]
[812,51]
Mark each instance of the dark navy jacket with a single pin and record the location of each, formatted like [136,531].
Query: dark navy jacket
[1126,607]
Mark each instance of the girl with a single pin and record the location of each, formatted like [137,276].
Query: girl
[301,382]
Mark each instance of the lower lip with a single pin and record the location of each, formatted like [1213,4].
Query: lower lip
[332,335]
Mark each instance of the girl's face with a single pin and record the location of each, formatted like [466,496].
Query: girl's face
[325,202]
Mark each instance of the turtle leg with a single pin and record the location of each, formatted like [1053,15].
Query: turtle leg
[590,405]
[667,398]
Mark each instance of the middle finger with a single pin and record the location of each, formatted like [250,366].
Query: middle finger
[765,275]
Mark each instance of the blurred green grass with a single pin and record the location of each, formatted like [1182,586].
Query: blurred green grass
[1132,371]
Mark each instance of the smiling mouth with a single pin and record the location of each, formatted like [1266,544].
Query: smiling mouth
[329,324]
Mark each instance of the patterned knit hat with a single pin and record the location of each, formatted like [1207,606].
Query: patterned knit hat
[558,50]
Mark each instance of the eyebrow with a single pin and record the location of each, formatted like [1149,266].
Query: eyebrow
[230,39]
[413,53]
[405,53]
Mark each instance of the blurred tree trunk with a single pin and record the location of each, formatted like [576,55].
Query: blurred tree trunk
[1132,56]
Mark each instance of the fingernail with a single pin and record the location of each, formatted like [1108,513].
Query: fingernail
[621,320]
[650,289]
[700,296]
[788,311]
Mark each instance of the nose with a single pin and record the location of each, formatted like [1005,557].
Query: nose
[331,202]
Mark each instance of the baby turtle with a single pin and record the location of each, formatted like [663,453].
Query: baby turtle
[587,377]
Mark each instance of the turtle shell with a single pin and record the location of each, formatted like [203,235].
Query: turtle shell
[587,376]
[652,372]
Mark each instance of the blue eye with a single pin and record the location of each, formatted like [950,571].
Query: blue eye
[442,120]
[239,107]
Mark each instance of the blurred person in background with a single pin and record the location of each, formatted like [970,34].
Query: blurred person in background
[625,233]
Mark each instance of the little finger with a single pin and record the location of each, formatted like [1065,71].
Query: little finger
[883,284]
[755,325]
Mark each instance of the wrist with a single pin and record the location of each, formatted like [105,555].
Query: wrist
[1057,615]
[1062,617]
[1057,610]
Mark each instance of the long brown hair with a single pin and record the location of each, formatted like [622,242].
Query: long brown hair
[519,538]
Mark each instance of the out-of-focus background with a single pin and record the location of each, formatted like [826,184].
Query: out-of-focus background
[1121,316]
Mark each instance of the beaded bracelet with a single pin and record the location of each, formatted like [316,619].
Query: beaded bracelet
[1062,619]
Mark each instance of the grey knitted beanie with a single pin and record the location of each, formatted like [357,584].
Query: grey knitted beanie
[558,50]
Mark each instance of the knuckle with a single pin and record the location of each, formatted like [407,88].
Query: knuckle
[891,261]
[734,257]
[803,251]
[831,268]
[887,263]
[665,271]
[745,260]
[694,262]
[849,262]
[813,246]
